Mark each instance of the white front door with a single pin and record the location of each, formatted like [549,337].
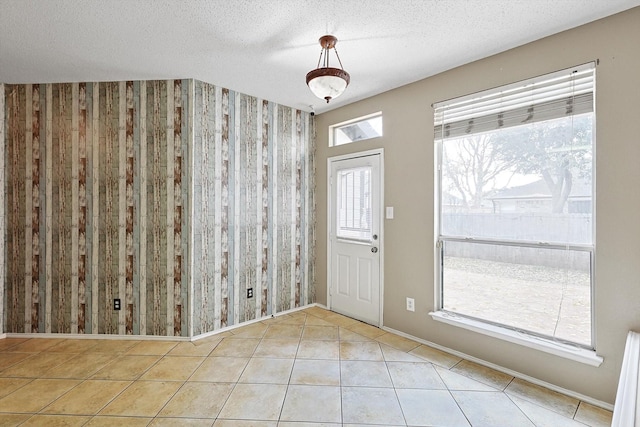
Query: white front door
[355,236]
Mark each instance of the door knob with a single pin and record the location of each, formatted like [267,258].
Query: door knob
[374,249]
[375,237]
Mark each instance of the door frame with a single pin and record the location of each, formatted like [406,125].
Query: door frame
[330,161]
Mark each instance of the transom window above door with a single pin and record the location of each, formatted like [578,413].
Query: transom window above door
[360,129]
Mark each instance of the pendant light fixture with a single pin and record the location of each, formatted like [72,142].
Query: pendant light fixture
[327,82]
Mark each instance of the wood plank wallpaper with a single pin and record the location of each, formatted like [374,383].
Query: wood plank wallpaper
[174,196]
[254,208]
[95,192]
[3,237]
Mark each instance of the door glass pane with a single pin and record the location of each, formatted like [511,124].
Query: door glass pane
[354,203]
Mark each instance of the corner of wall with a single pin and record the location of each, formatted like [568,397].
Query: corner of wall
[2,207]
[189,202]
[214,187]
[252,208]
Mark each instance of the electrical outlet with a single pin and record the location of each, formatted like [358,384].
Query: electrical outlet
[411,304]
[116,303]
[249,292]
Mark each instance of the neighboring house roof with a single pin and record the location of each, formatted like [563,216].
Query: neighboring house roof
[450,199]
[540,190]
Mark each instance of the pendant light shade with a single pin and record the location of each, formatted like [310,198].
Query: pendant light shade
[327,82]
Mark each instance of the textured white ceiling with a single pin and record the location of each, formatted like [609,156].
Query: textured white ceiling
[265,47]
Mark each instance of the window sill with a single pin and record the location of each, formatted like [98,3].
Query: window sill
[577,354]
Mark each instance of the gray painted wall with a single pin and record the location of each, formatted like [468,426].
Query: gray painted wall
[409,187]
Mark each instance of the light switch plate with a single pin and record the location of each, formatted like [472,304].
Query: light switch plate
[389,214]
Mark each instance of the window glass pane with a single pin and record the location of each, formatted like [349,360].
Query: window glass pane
[516,213]
[354,203]
[541,290]
[532,183]
[357,130]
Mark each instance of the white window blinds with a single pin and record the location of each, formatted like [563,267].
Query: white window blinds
[563,93]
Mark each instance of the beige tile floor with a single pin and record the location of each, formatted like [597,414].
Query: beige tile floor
[309,368]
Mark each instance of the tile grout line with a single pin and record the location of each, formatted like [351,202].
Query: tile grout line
[111,400]
[451,394]
[393,384]
[576,411]
[131,381]
[292,368]
[241,373]
[520,409]
[32,414]
[184,382]
[81,381]
[234,384]
[262,339]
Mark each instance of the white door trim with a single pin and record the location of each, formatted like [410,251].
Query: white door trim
[330,161]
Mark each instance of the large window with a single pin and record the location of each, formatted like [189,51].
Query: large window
[516,206]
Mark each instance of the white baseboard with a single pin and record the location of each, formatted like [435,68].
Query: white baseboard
[516,374]
[98,337]
[250,322]
[510,372]
[151,337]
